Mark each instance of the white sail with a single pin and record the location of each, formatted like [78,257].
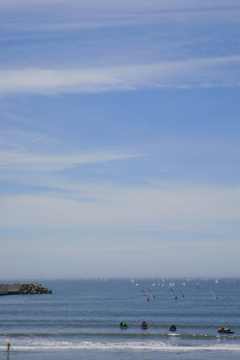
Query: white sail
[214,296]
[173,295]
[182,295]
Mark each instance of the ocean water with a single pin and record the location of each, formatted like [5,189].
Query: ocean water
[80,320]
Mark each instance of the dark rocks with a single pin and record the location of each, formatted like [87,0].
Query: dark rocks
[23,289]
[33,289]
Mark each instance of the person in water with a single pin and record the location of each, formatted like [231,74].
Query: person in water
[8,347]
[123,325]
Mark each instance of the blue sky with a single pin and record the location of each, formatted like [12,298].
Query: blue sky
[119,138]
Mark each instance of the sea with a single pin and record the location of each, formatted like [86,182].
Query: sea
[80,319]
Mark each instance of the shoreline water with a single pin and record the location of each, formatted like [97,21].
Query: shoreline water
[72,354]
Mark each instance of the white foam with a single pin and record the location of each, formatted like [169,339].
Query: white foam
[151,345]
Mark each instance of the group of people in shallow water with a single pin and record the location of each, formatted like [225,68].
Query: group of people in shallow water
[221,330]
[144,325]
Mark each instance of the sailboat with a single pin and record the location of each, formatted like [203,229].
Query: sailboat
[145,295]
[152,296]
[182,295]
[173,295]
[214,296]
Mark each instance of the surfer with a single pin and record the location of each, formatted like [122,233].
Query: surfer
[8,347]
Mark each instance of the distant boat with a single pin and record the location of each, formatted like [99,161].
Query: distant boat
[136,284]
[144,325]
[132,280]
[145,295]
[172,328]
[173,295]
[182,295]
[153,285]
[123,325]
[214,296]
[151,294]
[223,330]
[216,281]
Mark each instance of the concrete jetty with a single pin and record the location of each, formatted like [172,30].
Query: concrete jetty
[23,289]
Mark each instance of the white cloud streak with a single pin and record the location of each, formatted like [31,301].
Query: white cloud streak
[98,20]
[212,72]
[12,161]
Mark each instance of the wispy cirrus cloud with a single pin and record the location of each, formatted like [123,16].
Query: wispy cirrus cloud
[99,20]
[195,73]
[10,160]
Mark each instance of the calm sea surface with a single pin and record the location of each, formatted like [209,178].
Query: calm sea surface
[80,320]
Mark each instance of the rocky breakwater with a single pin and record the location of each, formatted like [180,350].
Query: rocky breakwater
[23,289]
[32,289]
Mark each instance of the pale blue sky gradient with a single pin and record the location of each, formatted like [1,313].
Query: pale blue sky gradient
[119,138]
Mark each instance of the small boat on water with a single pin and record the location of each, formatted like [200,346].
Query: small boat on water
[214,296]
[151,294]
[172,328]
[145,295]
[224,330]
[123,325]
[173,295]
[182,295]
[144,325]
